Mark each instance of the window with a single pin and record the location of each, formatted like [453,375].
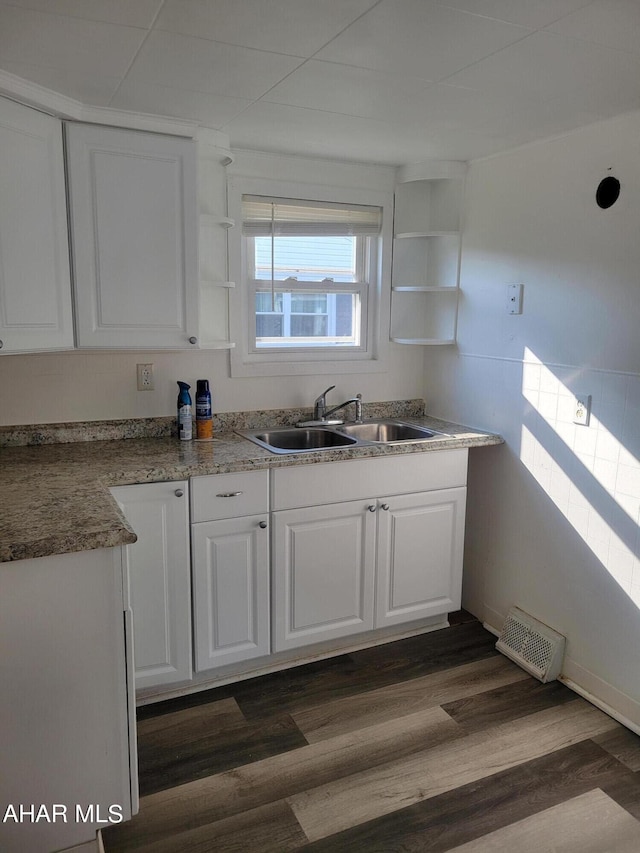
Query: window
[307,272]
[310,273]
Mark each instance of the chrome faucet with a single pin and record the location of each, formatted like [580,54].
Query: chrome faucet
[321,416]
[358,403]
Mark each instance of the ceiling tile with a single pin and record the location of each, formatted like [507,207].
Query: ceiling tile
[73,44]
[294,130]
[613,23]
[295,27]
[463,109]
[139,13]
[419,38]
[209,109]
[183,62]
[528,13]
[547,67]
[344,89]
[87,88]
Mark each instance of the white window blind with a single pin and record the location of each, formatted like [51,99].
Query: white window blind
[264,216]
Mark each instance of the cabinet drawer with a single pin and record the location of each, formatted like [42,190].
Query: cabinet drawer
[229,495]
[353,479]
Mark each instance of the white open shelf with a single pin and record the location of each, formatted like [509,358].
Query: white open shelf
[426,253]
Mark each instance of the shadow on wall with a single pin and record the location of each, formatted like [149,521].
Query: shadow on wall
[591,474]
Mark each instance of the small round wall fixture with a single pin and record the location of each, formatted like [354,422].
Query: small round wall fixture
[607,192]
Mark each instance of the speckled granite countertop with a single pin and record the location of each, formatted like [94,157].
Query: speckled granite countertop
[54,498]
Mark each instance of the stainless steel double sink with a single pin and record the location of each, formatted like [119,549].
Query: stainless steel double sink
[314,438]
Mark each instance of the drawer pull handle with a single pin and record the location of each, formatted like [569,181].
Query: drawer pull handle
[228,494]
[178,493]
[262,524]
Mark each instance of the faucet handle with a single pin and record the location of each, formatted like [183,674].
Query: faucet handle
[321,397]
[320,405]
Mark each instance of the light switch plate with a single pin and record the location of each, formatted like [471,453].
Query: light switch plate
[514,298]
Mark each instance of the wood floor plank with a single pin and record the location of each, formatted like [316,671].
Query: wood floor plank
[590,823]
[267,829]
[313,684]
[167,763]
[191,722]
[215,797]
[507,702]
[387,769]
[368,794]
[439,823]
[397,700]
[624,744]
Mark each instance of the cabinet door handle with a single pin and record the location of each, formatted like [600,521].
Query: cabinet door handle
[385,506]
[372,507]
[262,524]
[178,493]
[228,494]
[193,340]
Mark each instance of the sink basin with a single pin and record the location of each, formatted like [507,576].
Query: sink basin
[295,440]
[305,440]
[386,431]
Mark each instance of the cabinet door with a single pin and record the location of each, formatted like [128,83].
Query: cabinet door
[35,284]
[158,572]
[420,548]
[230,590]
[323,573]
[134,221]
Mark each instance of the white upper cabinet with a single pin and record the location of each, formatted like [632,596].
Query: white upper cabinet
[134,221]
[35,288]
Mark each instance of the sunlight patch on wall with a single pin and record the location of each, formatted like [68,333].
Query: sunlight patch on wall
[588,473]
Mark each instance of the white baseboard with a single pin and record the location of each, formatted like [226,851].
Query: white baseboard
[603,695]
[595,690]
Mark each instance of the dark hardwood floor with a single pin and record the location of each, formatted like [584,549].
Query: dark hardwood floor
[432,743]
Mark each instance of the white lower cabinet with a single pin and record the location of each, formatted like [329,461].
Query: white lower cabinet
[230,590]
[159,578]
[230,553]
[323,583]
[419,555]
[346,567]
[295,557]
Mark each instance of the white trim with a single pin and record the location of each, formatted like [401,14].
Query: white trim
[264,363]
[431,170]
[51,102]
[551,364]
[615,703]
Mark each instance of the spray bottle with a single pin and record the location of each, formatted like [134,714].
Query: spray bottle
[204,419]
[185,417]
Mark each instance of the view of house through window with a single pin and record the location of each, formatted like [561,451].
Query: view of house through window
[308,271]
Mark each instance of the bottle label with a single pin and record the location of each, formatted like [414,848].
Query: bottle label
[185,420]
[204,429]
[203,408]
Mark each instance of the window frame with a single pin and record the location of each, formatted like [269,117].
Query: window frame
[370,356]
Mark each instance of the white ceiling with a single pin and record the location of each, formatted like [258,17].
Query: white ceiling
[386,81]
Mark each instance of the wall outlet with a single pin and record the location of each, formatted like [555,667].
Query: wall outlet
[582,409]
[145,377]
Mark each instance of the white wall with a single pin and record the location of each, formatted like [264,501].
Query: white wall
[82,386]
[553,515]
